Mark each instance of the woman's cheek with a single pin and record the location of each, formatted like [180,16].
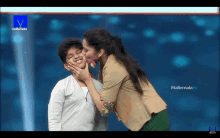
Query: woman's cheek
[88,57]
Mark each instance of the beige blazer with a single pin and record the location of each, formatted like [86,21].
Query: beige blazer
[120,96]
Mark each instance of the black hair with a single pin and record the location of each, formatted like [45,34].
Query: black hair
[100,38]
[66,45]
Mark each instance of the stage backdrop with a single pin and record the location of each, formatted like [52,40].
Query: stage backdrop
[172,50]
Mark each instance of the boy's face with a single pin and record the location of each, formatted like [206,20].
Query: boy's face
[76,56]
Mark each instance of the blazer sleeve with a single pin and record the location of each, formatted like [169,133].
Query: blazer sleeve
[113,76]
[55,108]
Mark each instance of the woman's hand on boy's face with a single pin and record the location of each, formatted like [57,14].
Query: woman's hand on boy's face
[82,74]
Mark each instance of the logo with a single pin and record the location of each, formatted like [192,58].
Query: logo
[20,22]
[184,88]
[212,130]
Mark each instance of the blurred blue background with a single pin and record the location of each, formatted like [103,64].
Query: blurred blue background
[172,50]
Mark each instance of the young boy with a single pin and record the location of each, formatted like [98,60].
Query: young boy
[71,107]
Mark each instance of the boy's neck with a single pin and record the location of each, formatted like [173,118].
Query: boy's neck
[81,83]
[75,77]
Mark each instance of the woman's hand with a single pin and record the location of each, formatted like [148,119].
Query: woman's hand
[82,74]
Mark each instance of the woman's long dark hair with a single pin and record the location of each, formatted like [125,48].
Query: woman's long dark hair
[100,38]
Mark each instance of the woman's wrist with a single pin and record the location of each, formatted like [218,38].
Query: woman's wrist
[88,80]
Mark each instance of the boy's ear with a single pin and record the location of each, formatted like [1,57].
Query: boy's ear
[66,66]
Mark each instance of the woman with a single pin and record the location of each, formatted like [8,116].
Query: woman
[71,107]
[126,89]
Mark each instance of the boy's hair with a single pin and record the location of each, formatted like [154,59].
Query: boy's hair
[66,45]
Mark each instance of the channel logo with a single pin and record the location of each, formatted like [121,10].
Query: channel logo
[20,22]
[212,130]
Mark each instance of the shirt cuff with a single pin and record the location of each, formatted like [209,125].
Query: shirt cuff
[107,107]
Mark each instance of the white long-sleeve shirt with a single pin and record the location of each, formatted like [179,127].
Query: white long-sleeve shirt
[70,109]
